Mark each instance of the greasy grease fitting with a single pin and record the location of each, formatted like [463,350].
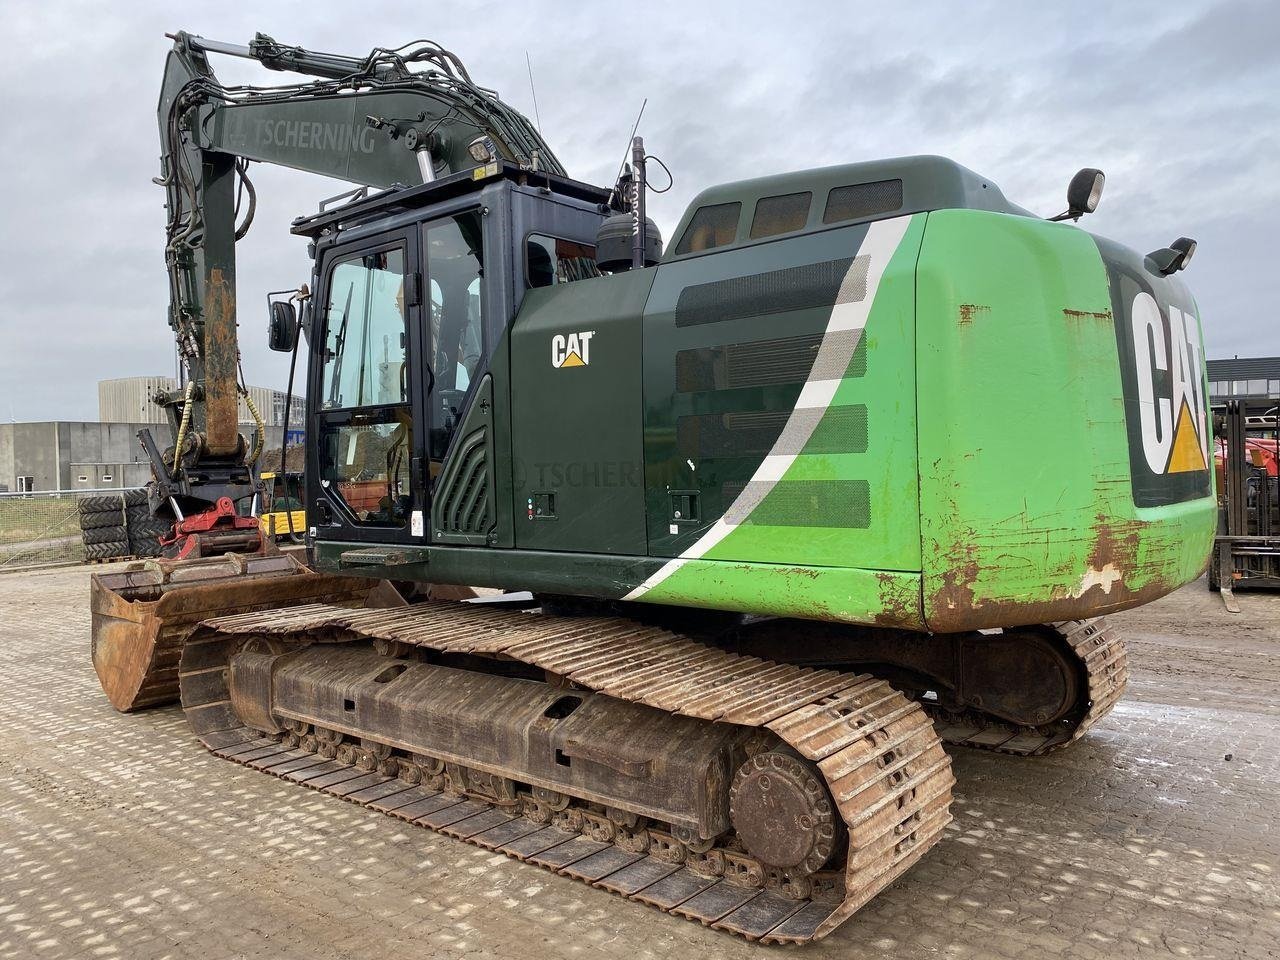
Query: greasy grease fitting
[856,766]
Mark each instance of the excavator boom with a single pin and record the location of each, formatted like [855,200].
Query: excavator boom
[394,117]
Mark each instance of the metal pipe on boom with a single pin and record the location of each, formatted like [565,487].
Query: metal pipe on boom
[274,57]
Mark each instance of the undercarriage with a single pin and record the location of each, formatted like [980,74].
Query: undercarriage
[767,798]
[1022,690]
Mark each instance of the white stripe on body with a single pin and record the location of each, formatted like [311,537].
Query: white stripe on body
[835,352]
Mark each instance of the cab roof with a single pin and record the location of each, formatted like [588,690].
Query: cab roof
[360,206]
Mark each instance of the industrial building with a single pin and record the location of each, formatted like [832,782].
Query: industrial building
[131,400]
[91,455]
[1244,377]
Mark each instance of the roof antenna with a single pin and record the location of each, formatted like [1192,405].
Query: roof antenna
[529,63]
[615,195]
[634,127]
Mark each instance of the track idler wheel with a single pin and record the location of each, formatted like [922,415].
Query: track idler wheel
[783,813]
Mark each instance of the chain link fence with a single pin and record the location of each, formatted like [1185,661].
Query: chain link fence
[43,527]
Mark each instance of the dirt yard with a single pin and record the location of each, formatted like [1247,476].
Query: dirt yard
[1155,836]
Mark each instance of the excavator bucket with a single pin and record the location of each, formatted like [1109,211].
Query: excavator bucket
[143,614]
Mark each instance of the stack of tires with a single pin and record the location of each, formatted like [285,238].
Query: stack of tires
[102,527]
[119,525]
[144,530]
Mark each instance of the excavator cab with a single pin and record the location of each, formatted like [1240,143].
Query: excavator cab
[408,353]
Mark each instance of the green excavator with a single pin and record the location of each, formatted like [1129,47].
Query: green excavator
[848,472]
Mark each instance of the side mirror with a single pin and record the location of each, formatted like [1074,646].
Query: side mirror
[1083,193]
[282,330]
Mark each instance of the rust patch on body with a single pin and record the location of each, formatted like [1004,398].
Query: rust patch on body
[969,311]
[1116,543]
[956,594]
[809,572]
[1080,315]
[899,604]
[1104,586]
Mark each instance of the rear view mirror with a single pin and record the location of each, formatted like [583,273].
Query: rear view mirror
[282,330]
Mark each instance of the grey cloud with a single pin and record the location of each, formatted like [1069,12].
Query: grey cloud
[1175,101]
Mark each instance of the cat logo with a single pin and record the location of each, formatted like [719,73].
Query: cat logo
[1162,381]
[1171,401]
[573,350]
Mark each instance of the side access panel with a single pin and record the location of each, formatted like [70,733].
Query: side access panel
[780,457]
[577,461]
[1028,397]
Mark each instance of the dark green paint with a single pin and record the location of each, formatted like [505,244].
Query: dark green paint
[928,183]
[977,443]
[577,429]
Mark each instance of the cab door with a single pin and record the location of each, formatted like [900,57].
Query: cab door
[367,395]
[462,331]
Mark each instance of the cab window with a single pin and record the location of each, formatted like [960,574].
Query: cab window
[551,260]
[711,226]
[365,342]
[455,268]
[366,432]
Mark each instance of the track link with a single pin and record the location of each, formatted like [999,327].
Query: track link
[877,750]
[1100,650]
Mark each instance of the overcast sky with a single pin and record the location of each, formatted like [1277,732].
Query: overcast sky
[1178,102]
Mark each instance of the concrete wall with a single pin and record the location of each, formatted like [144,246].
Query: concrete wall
[32,450]
[7,472]
[108,443]
[57,454]
[100,476]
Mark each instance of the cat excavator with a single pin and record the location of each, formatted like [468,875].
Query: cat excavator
[759,510]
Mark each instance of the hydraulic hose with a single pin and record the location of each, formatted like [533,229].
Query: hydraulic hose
[257,420]
[186,422]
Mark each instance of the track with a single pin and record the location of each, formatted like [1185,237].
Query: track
[877,750]
[1100,650]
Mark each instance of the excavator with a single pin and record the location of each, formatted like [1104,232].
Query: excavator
[766,516]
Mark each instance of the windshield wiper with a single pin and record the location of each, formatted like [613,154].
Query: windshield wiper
[339,342]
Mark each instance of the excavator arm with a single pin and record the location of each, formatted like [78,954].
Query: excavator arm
[394,117]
